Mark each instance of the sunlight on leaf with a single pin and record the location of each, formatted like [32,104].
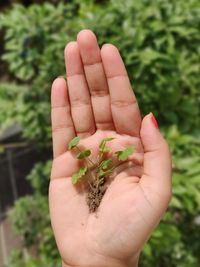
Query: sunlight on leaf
[76,176]
[123,155]
[74,142]
[105,164]
[84,154]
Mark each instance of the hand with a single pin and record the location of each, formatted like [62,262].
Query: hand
[97,101]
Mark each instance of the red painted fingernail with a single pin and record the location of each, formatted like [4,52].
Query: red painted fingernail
[154,121]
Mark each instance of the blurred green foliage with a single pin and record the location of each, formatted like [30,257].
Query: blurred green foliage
[175,241]
[9,106]
[159,41]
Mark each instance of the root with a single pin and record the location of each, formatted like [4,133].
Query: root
[95,194]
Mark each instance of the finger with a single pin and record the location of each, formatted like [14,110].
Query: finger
[125,110]
[157,158]
[62,125]
[96,79]
[81,108]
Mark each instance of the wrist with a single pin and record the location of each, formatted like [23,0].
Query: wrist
[132,262]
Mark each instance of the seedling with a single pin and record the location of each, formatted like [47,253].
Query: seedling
[97,173]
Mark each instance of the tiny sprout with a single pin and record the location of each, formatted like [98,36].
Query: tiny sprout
[97,172]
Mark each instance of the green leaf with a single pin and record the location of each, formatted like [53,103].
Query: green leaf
[74,142]
[123,155]
[108,139]
[105,164]
[76,176]
[102,147]
[103,169]
[84,154]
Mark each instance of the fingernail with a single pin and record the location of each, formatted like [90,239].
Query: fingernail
[154,121]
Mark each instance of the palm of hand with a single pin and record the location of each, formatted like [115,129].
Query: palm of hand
[132,204]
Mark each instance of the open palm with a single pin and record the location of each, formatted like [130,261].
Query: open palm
[97,101]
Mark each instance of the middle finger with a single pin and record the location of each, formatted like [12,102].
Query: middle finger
[96,79]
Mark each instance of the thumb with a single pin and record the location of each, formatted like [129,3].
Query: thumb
[157,157]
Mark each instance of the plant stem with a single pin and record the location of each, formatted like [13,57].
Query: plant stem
[87,159]
[100,157]
[89,184]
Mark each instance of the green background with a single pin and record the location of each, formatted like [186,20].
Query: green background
[159,42]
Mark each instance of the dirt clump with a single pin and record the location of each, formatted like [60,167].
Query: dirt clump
[96,191]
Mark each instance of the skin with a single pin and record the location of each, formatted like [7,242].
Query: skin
[95,102]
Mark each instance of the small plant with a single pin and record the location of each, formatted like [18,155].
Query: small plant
[97,172]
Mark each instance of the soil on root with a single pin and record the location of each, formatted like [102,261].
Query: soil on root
[95,194]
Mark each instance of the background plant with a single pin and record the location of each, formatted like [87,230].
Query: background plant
[159,41]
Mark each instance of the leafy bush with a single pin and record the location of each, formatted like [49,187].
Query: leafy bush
[39,177]
[35,56]
[30,217]
[31,221]
[159,41]
[9,92]
[175,241]
[21,258]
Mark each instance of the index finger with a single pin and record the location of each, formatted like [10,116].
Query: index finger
[62,124]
